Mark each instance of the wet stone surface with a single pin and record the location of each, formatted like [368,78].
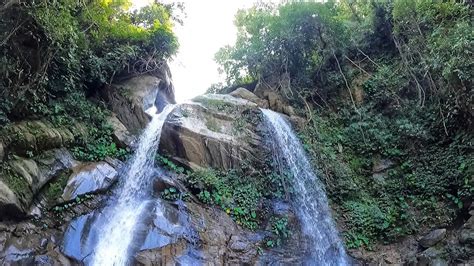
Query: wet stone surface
[89,178]
[164,225]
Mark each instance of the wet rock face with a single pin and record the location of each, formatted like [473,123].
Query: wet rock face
[172,233]
[89,178]
[28,244]
[217,131]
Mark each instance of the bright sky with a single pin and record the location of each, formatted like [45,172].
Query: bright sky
[207,27]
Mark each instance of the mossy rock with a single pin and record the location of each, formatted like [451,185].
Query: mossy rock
[32,137]
[22,178]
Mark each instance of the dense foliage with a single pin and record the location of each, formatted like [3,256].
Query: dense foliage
[383,84]
[56,54]
[245,194]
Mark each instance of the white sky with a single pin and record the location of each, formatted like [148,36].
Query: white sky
[207,27]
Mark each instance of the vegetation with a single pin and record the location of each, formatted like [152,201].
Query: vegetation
[56,55]
[15,182]
[379,82]
[54,189]
[241,193]
[280,230]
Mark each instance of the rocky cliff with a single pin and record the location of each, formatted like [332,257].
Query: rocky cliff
[49,199]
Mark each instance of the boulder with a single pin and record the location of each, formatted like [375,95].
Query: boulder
[433,238]
[9,203]
[89,178]
[218,131]
[121,135]
[140,90]
[380,168]
[466,236]
[381,165]
[222,241]
[249,96]
[129,99]
[275,101]
[27,244]
[26,177]
[160,184]
[33,137]
[432,256]
[171,254]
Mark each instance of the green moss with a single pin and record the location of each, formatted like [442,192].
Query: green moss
[239,124]
[55,188]
[216,104]
[15,182]
[211,124]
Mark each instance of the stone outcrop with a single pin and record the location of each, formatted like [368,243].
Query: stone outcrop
[122,137]
[26,177]
[245,94]
[218,131]
[33,137]
[30,243]
[432,238]
[466,236]
[89,178]
[129,99]
[275,101]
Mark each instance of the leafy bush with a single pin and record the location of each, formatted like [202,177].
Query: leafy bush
[239,195]
[57,49]
[54,189]
[280,230]
[163,161]
[427,185]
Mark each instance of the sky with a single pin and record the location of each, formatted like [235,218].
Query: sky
[207,27]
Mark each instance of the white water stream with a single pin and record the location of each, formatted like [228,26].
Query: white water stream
[116,235]
[309,199]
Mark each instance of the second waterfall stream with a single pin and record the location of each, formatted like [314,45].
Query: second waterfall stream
[310,199]
[123,214]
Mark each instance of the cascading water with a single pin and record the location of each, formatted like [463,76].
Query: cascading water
[310,199]
[123,214]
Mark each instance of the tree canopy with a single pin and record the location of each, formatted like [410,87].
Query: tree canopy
[312,44]
[53,49]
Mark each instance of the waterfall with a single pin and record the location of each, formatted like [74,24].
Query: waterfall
[123,214]
[310,199]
